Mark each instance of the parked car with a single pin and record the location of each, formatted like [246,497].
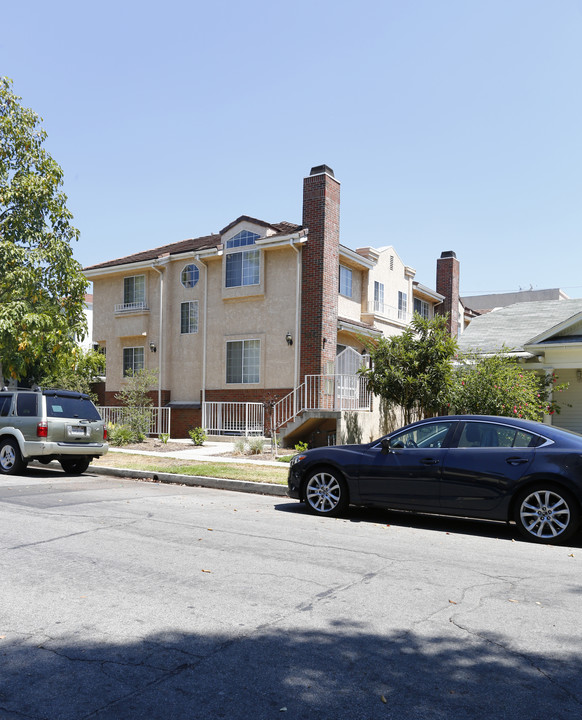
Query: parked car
[49,425]
[471,466]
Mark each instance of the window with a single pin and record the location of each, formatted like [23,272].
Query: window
[489,435]
[243,268]
[5,404]
[134,290]
[26,405]
[401,305]
[421,307]
[243,360]
[190,275]
[243,238]
[133,360]
[426,436]
[189,317]
[345,281]
[378,297]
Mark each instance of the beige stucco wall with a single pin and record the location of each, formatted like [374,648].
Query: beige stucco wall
[265,312]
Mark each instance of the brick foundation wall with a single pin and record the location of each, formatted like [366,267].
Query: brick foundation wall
[320,270]
[109,398]
[447,283]
[184,419]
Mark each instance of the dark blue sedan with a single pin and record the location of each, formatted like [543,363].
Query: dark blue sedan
[473,466]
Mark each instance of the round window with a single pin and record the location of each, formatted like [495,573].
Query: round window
[190,275]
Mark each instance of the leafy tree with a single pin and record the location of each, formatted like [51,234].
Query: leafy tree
[135,397]
[498,385]
[413,371]
[76,370]
[41,285]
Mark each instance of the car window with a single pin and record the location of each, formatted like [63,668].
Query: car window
[26,404]
[5,403]
[71,407]
[487,435]
[423,436]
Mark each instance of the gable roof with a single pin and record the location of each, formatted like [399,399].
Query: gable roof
[515,326]
[194,244]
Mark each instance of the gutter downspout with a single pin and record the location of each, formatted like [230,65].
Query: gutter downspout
[297,325]
[160,334]
[205,321]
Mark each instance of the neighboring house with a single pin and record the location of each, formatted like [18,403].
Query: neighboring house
[485,303]
[273,316]
[546,336]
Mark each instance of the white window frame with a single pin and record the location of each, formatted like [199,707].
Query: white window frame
[250,260]
[133,297]
[250,358]
[402,305]
[378,297]
[189,276]
[424,308]
[192,321]
[136,366]
[345,281]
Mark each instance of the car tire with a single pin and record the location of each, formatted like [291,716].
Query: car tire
[11,462]
[546,513]
[75,466]
[326,493]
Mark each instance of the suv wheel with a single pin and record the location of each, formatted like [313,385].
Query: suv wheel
[75,466]
[11,462]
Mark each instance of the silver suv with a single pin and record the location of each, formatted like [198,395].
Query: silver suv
[49,425]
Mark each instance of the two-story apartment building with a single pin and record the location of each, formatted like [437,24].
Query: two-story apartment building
[268,315]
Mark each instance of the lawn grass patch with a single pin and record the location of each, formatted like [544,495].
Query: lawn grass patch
[230,471]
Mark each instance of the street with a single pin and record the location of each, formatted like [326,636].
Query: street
[127,599]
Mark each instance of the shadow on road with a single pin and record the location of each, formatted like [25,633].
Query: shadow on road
[437,523]
[341,673]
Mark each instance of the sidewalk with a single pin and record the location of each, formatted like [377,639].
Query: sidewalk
[209,452]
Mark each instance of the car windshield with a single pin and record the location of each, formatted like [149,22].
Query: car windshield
[71,407]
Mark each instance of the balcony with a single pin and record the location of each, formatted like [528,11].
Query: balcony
[382,310]
[134,307]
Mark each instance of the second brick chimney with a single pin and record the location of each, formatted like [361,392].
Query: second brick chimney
[320,270]
[447,284]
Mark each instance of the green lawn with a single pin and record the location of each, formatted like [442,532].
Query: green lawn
[232,471]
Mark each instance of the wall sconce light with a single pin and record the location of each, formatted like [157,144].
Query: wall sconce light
[579,375]
[153,347]
[289,338]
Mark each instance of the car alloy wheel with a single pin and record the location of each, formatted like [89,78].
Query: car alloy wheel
[547,514]
[11,462]
[326,493]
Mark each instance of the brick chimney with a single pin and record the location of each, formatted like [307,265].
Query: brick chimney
[447,284]
[320,270]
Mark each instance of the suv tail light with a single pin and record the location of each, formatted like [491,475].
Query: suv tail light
[42,429]
[104,432]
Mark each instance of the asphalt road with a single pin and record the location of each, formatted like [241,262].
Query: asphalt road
[126,599]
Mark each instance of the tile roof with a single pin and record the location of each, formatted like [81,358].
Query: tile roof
[514,325]
[193,244]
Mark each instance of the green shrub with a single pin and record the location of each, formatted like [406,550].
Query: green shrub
[164,437]
[119,435]
[255,445]
[240,445]
[198,435]
[301,447]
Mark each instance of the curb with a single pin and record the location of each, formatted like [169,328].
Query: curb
[195,481]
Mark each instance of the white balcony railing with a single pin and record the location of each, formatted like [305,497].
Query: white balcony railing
[158,418]
[375,307]
[234,418]
[131,307]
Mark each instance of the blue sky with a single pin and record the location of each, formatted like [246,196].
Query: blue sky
[451,124]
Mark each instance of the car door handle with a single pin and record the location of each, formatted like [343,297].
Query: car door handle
[429,461]
[516,460]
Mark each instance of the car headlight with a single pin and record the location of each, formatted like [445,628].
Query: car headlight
[297,458]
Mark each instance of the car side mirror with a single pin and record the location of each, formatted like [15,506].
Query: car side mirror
[385,444]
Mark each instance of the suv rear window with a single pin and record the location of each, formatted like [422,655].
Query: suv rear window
[26,405]
[71,407]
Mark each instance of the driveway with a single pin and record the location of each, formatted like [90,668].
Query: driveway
[124,599]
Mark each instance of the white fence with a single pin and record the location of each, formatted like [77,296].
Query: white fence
[324,392]
[159,417]
[234,418]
